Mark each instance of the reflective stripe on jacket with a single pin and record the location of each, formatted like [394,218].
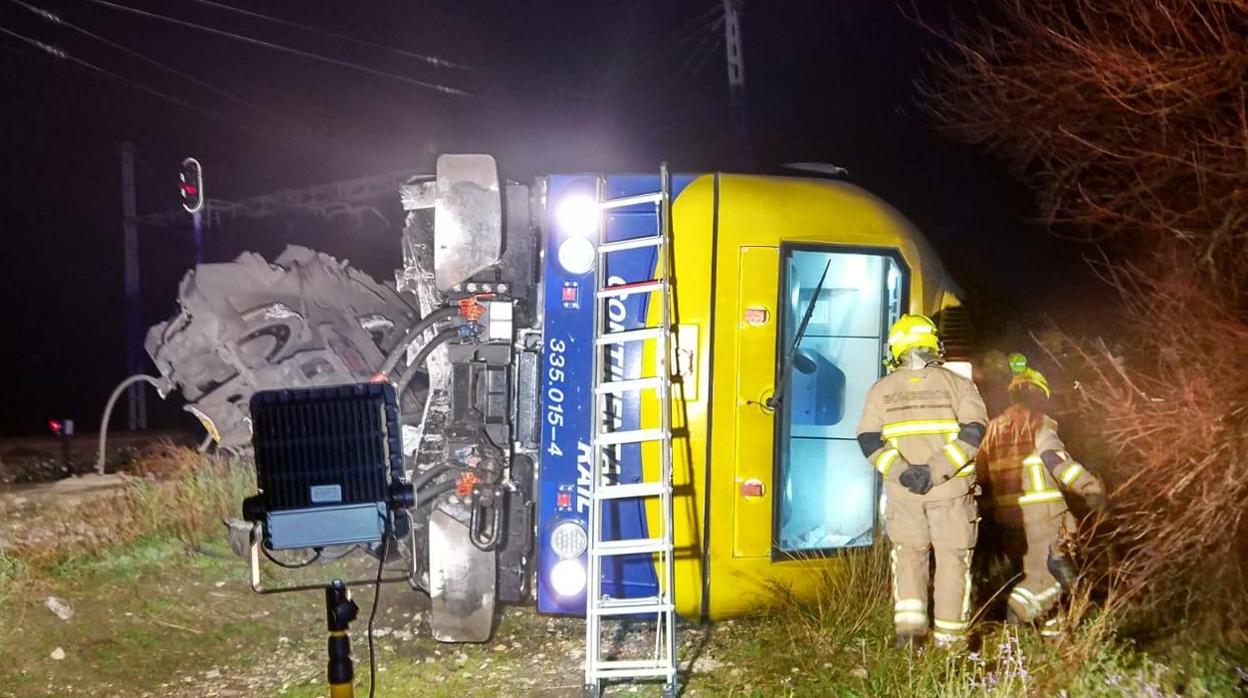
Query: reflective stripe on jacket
[1027,463]
[929,416]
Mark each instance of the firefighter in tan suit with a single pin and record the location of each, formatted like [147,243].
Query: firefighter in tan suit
[920,428]
[1028,467]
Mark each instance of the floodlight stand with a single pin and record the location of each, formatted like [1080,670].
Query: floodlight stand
[340,610]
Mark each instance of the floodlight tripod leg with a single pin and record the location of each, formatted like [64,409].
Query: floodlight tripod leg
[340,610]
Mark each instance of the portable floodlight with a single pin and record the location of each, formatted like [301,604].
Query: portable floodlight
[329,466]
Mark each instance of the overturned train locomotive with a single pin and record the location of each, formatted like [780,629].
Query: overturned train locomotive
[487,335]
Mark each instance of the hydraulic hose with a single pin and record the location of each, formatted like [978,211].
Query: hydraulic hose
[426,497]
[412,334]
[418,362]
[108,410]
[423,478]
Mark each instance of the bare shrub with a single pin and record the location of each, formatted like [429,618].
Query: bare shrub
[1174,411]
[1128,117]
[1129,120]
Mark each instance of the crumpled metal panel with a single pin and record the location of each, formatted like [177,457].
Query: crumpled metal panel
[462,586]
[304,319]
[468,218]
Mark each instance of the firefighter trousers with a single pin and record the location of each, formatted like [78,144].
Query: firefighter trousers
[917,528]
[1044,525]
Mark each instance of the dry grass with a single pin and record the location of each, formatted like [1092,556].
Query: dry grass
[181,493]
[850,596]
[837,644]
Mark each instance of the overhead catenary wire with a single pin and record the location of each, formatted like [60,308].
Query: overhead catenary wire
[61,54]
[699,54]
[61,21]
[431,60]
[444,89]
[683,34]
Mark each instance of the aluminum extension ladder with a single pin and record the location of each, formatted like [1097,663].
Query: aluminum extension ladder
[661,664]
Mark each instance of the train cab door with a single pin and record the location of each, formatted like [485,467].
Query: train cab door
[801,488]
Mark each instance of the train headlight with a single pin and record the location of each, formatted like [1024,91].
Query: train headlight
[576,255]
[569,540]
[567,577]
[578,216]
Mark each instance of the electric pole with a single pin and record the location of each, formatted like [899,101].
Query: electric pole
[136,399]
[736,80]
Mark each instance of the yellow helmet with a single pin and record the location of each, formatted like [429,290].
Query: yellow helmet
[911,331]
[1030,376]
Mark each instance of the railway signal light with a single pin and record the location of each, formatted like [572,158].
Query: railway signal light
[191,185]
[61,427]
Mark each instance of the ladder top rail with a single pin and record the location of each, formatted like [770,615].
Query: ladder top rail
[635,200]
[660,549]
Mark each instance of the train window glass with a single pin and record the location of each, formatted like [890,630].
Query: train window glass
[828,494]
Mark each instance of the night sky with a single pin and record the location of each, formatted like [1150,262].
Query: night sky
[555,86]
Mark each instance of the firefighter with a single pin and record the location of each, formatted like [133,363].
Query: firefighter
[920,428]
[1028,468]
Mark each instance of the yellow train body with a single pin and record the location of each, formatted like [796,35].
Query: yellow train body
[729,235]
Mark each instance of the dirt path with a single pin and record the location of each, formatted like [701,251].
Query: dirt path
[157,621]
[154,619]
[28,459]
[26,510]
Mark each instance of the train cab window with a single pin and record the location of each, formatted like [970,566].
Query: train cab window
[827,495]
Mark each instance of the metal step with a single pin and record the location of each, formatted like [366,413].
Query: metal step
[623,201]
[624,607]
[633,244]
[630,289]
[630,336]
[629,436]
[633,668]
[630,546]
[630,490]
[623,386]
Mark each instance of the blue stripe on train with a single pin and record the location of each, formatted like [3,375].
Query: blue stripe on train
[564,464]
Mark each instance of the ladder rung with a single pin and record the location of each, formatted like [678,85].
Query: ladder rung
[651,198]
[660,607]
[623,386]
[632,489]
[630,546]
[629,436]
[633,244]
[630,335]
[623,607]
[625,668]
[629,289]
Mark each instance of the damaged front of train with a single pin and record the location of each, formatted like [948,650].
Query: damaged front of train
[455,333]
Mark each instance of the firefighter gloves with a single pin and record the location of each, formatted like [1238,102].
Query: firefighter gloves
[917,479]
